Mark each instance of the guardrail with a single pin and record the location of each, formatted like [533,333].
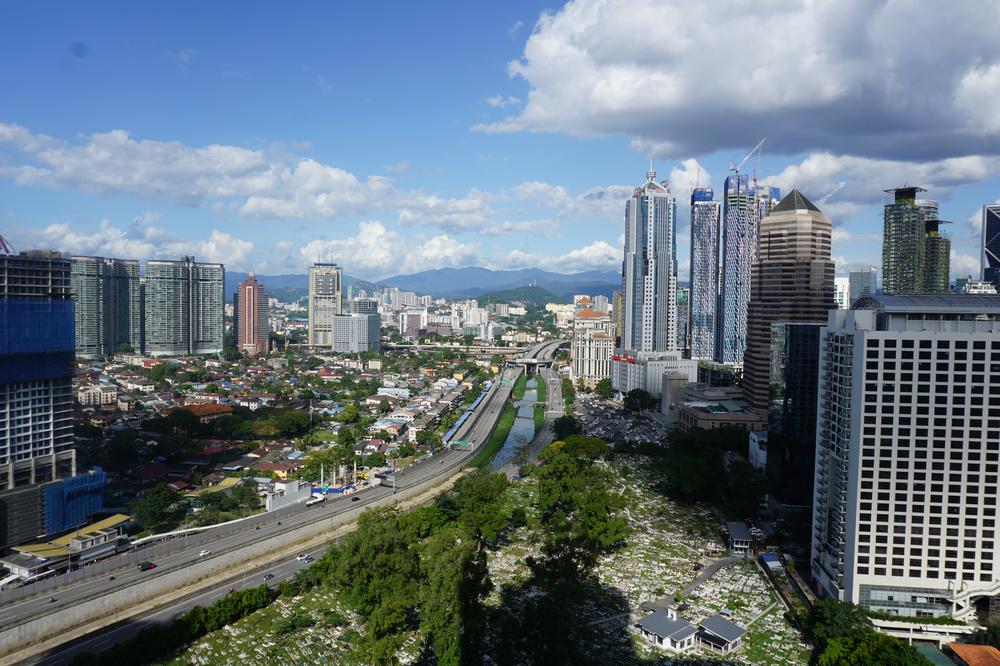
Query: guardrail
[212,534]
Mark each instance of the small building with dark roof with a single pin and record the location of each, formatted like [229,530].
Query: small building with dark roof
[720,635]
[664,629]
[739,537]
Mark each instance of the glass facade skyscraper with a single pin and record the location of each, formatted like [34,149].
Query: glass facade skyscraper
[743,208]
[861,282]
[991,245]
[649,272]
[704,298]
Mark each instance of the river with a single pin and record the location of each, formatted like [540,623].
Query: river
[523,430]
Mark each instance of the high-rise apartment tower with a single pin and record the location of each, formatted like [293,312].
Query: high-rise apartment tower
[108,305]
[704,298]
[743,208]
[184,306]
[915,256]
[649,272]
[251,328]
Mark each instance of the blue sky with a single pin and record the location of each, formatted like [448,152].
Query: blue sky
[420,135]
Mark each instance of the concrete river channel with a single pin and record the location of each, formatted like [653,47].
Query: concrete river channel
[523,430]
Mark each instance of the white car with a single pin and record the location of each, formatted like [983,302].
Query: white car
[204,553]
[301,558]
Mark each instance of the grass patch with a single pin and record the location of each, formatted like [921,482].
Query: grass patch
[539,417]
[519,385]
[498,437]
[540,388]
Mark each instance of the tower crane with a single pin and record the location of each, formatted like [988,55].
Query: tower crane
[5,247]
[733,166]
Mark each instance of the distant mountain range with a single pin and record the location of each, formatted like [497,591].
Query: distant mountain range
[531,296]
[474,281]
[451,283]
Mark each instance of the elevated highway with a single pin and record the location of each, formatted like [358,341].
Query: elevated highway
[32,625]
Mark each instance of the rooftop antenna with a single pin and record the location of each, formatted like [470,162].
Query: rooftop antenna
[650,175]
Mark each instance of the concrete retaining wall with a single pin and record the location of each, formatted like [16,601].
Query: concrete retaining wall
[165,586]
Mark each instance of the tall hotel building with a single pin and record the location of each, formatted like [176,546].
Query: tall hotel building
[743,208]
[108,305]
[326,283]
[908,450]
[990,269]
[592,346]
[649,272]
[252,329]
[184,304]
[704,297]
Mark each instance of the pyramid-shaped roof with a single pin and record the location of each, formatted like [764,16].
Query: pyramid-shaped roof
[795,200]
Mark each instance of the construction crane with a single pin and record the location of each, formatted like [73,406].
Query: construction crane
[733,166]
[5,247]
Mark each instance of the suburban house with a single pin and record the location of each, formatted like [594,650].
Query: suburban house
[664,629]
[739,537]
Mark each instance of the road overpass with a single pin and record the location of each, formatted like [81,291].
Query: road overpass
[88,600]
[540,355]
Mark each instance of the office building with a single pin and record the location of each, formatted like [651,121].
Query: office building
[251,327]
[649,272]
[990,261]
[616,314]
[791,424]
[36,393]
[861,283]
[908,435]
[108,311]
[326,282]
[364,305]
[791,281]
[915,256]
[704,297]
[743,208]
[592,347]
[842,292]
[354,333]
[183,305]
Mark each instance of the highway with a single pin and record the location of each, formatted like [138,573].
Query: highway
[184,552]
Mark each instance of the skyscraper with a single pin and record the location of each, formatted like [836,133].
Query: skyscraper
[364,305]
[743,208]
[36,394]
[704,298]
[251,328]
[326,283]
[592,345]
[108,305]
[791,281]
[905,498]
[990,261]
[915,256]
[184,305]
[861,282]
[649,272]
[683,320]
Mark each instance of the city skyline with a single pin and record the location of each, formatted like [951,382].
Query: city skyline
[330,178]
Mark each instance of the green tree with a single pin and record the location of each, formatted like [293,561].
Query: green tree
[637,400]
[121,450]
[830,618]
[452,617]
[384,407]
[156,506]
[291,422]
[604,390]
[870,647]
[564,426]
